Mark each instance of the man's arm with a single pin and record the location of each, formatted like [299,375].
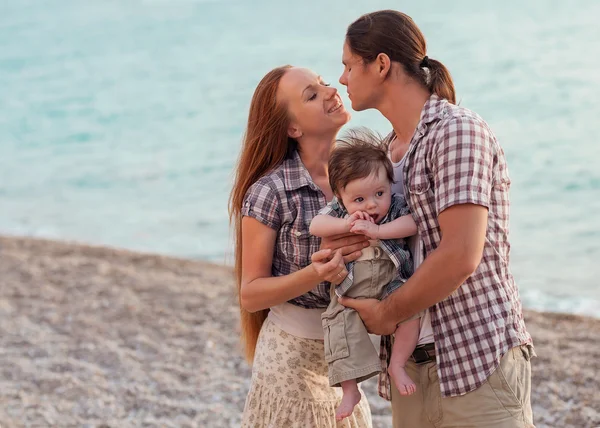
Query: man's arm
[463,229]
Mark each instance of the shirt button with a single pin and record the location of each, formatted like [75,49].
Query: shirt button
[297,233]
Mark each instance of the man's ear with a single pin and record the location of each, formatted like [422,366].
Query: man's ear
[384,64]
[294,131]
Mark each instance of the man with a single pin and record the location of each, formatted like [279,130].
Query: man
[477,370]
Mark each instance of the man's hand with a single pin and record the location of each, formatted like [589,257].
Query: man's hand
[349,243]
[372,313]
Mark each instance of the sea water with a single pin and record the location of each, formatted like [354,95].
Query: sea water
[121,120]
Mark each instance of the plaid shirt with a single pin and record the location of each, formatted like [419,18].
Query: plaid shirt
[453,159]
[286,199]
[397,249]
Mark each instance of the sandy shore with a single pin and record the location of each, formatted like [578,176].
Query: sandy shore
[97,337]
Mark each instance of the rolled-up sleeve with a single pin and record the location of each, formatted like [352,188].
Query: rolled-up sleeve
[263,204]
[463,164]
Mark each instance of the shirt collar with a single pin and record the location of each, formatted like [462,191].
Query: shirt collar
[391,209]
[433,109]
[295,174]
[336,205]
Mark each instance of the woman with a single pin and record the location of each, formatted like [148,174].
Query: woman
[473,368]
[281,184]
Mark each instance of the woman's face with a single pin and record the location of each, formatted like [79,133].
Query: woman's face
[361,80]
[314,107]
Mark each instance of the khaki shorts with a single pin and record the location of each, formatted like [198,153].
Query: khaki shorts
[503,401]
[348,347]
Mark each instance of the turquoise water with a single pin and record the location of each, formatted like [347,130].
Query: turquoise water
[120,121]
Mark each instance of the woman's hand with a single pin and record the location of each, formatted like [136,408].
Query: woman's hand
[331,269]
[349,244]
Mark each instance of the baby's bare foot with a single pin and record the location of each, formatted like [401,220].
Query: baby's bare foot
[346,407]
[402,380]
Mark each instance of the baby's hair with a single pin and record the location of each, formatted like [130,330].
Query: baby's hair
[358,154]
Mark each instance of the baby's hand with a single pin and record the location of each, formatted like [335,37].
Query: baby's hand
[357,215]
[365,227]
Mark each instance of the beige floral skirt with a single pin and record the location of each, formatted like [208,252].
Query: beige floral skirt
[290,387]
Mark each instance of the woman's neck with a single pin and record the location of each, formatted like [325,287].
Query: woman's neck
[315,153]
[402,106]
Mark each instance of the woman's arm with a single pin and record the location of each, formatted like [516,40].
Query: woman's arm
[259,289]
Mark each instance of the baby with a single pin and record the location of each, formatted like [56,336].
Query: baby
[361,175]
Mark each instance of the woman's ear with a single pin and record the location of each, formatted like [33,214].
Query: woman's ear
[294,131]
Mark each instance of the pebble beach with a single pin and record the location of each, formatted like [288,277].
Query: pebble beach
[103,337]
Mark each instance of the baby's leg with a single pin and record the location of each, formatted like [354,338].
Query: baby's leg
[407,335]
[349,400]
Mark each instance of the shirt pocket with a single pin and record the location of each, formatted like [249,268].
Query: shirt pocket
[299,248]
[420,189]
[419,180]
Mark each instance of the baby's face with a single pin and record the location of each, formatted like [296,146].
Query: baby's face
[372,194]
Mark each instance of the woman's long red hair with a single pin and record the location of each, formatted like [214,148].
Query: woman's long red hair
[264,147]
